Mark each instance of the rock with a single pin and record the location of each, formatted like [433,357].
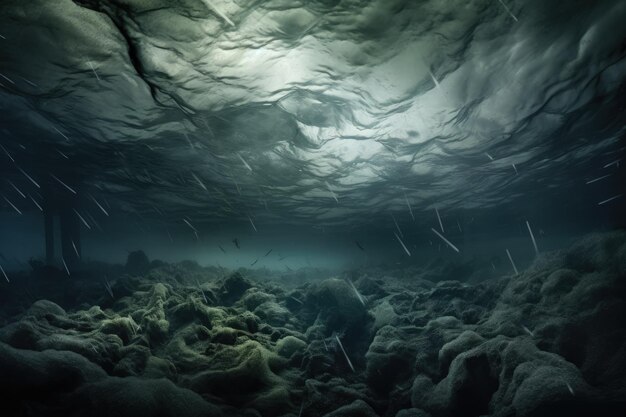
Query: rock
[131,397]
[289,345]
[358,408]
[233,287]
[137,263]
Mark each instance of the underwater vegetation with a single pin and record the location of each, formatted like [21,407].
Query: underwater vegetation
[158,339]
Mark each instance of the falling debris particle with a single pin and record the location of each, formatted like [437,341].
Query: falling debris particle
[29,177]
[218,12]
[493,266]
[61,133]
[616,162]
[252,223]
[331,192]
[532,237]
[16,189]
[35,202]
[489,156]
[439,218]
[6,78]
[268,252]
[65,265]
[527,330]
[344,353]
[359,245]
[236,243]
[63,184]
[244,162]
[75,249]
[615,197]
[5,274]
[597,179]
[221,248]
[255,261]
[512,263]
[200,183]
[82,219]
[445,240]
[358,295]
[396,223]
[508,10]
[569,388]
[515,168]
[432,76]
[12,205]
[402,243]
[409,206]
[459,224]
[29,82]
[190,225]
[62,154]
[325,345]
[99,205]
[94,70]
[7,153]
[295,299]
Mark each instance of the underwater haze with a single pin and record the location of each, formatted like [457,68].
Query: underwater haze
[337,208]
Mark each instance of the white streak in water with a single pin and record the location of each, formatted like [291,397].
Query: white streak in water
[402,243]
[252,223]
[36,203]
[75,249]
[99,205]
[16,189]
[200,183]
[532,237]
[190,225]
[615,197]
[29,177]
[65,265]
[244,162]
[515,168]
[569,388]
[598,179]
[331,191]
[94,70]
[4,273]
[12,205]
[489,156]
[512,263]
[218,12]
[439,218]
[63,184]
[396,223]
[61,133]
[527,330]
[612,163]
[6,78]
[409,206]
[508,10]
[82,219]
[356,292]
[344,353]
[7,153]
[445,240]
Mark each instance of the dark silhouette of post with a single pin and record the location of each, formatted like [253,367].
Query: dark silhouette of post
[48,219]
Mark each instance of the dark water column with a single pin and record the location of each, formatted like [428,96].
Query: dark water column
[70,233]
[48,220]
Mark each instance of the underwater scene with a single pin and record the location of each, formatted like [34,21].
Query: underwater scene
[312,208]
